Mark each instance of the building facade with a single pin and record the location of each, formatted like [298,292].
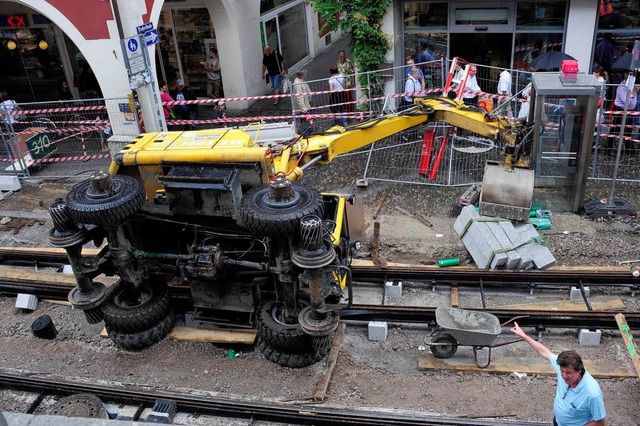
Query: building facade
[43,42]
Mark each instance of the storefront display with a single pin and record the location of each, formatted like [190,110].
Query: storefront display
[185,37]
[31,68]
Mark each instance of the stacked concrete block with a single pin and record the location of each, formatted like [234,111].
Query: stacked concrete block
[475,239]
[500,244]
[526,262]
[541,255]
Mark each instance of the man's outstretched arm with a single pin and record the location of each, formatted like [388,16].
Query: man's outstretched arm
[537,346]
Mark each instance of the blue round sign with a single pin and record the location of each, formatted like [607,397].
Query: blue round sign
[132,45]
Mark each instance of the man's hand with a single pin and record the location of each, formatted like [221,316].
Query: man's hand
[517,330]
[537,346]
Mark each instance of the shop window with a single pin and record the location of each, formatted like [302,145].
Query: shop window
[185,37]
[422,14]
[548,14]
[481,16]
[416,43]
[293,34]
[268,5]
[529,45]
[618,14]
[31,67]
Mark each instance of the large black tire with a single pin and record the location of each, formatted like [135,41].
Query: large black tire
[447,346]
[145,338]
[129,310]
[277,333]
[126,197]
[286,359]
[265,219]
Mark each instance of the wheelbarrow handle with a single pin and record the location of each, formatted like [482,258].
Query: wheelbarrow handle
[513,319]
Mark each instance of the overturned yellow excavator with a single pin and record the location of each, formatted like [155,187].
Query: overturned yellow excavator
[214,225]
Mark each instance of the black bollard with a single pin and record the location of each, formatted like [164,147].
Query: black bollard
[43,327]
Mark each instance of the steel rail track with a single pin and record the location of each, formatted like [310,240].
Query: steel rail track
[406,314]
[292,413]
[469,277]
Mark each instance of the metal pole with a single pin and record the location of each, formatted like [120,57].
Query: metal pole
[630,82]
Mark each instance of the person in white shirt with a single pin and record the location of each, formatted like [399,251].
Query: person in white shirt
[456,80]
[412,85]
[471,88]
[523,113]
[337,99]
[8,108]
[504,89]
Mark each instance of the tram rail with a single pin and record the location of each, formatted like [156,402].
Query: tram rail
[297,412]
[365,273]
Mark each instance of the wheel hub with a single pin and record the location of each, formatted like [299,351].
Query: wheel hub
[315,323]
[131,298]
[65,233]
[281,194]
[102,186]
[81,405]
[315,250]
[88,300]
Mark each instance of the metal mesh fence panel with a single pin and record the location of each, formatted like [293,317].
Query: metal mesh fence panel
[61,139]
[437,154]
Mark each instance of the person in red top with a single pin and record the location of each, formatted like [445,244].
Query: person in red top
[165,97]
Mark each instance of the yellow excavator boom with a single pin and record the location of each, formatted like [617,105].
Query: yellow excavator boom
[288,158]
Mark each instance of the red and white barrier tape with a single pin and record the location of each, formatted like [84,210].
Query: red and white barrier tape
[62,159]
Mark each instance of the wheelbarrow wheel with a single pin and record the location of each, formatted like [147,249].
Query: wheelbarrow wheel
[444,346]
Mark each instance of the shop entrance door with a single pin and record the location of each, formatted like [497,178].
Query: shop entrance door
[484,49]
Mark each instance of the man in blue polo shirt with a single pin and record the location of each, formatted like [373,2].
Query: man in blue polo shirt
[579,400]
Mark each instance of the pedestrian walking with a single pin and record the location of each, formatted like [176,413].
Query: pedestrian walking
[471,88]
[504,90]
[273,68]
[214,77]
[301,90]
[348,70]
[337,99]
[411,86]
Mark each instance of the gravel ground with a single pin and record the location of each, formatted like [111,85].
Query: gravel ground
[369,374]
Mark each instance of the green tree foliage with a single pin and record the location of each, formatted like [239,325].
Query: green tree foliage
[362,19]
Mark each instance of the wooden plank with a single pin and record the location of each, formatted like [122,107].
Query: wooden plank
[375,254]
[454,296]
[507,365]
[323,384]
[628,340]
[598,303]
[192,334]
[32,276]
[45,250]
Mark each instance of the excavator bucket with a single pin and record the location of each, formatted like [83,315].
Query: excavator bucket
[506,193]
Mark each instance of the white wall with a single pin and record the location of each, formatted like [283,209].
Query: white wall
[580,31]
[237,27]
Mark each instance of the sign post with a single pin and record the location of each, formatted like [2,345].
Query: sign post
[141,75]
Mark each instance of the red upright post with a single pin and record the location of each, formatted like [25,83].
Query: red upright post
[425,156]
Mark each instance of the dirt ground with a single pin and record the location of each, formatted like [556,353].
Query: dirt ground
[369,374]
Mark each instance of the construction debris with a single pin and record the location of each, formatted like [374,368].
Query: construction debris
[497,243]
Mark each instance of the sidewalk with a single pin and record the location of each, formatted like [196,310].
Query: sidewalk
[317,68]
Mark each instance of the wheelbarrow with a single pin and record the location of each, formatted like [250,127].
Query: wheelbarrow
[462,327]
